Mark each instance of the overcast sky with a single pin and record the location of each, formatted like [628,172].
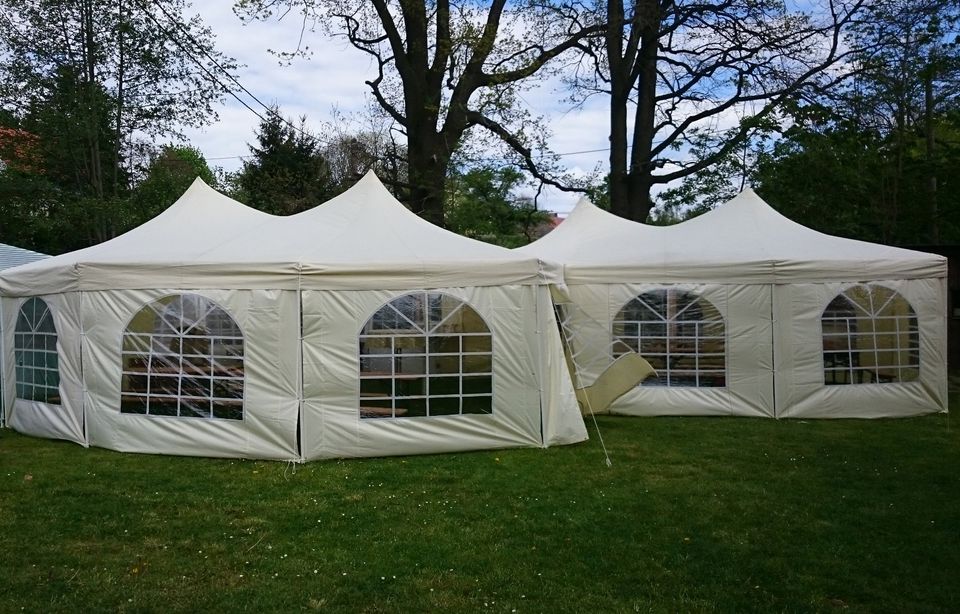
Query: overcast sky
[333,78]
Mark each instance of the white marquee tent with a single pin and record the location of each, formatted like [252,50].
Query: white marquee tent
[745,312]
[352,329]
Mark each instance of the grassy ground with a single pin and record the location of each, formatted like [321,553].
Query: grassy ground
[694,515]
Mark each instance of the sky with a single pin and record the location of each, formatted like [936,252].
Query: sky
[333,80]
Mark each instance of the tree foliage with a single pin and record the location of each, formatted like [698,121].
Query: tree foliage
[94,83]
[482,204]
[445,68]
[168,176]
[878,159]
[96,72]
[286,172]
[675,70]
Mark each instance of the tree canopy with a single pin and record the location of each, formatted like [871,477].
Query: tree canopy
[445,68]
[286,172]
[88,87]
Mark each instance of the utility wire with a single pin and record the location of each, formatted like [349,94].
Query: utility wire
[271,111]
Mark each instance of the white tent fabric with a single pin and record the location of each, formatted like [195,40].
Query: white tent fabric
[11,256]
[771,279]
[300,289]
[363,238]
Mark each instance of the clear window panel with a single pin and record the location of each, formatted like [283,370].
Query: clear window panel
[477,405]
[412,408]
[870,336]
[184,356]
[445,406]
[477,363]
[440,386]
[445,345]
[415,350]
[35,353]
[474,344]
[674,330]
[478,384]
[376,408]
[445,364]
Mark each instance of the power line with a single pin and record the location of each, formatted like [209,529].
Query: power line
[189,36]
[198,63]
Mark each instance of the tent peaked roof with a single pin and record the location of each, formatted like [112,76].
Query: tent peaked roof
[742,241]
[747,228]
[200,218]
[362,239]
[366,238]
[587,227]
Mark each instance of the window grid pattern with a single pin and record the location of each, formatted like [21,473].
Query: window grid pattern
[870,336]
[35,353]
[680,334]
[183,356]
[425,354]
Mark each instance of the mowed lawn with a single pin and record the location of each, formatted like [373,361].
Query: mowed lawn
[727,515]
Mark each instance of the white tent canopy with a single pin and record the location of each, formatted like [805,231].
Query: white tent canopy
[742,241]
[770,281]
[299,296]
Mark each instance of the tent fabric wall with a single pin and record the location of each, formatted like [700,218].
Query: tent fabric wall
[800,388]
[332,321]
[269,321]
[746,313]
[64,421]
[772,279]
[300,288]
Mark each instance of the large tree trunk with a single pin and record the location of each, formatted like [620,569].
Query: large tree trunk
[931,154]
[631,175]
[427,171]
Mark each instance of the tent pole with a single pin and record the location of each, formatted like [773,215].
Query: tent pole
[300,364]
[773,348]
[3,369]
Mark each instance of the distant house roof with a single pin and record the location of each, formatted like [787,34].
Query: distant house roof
[11,256]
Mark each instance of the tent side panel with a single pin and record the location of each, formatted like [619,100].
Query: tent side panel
[268,429]
[801,392]
[332,426]
[562,421]
[51,420]
[748,389]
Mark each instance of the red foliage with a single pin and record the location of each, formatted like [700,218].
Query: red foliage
[19,150]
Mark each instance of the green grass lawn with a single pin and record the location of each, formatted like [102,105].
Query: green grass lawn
[694,515]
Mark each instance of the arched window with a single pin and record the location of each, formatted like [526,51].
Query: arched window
[183,356]
[870,336]
[679,333]
[35,353]
[425,354]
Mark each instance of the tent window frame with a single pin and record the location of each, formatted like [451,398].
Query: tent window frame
[35,344]
[410,366]
[674,337]
[173,366]
[853,316]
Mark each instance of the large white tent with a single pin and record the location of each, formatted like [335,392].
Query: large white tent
[352,329]
[745,312]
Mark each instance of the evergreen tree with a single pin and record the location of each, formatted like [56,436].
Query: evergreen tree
[286,173]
